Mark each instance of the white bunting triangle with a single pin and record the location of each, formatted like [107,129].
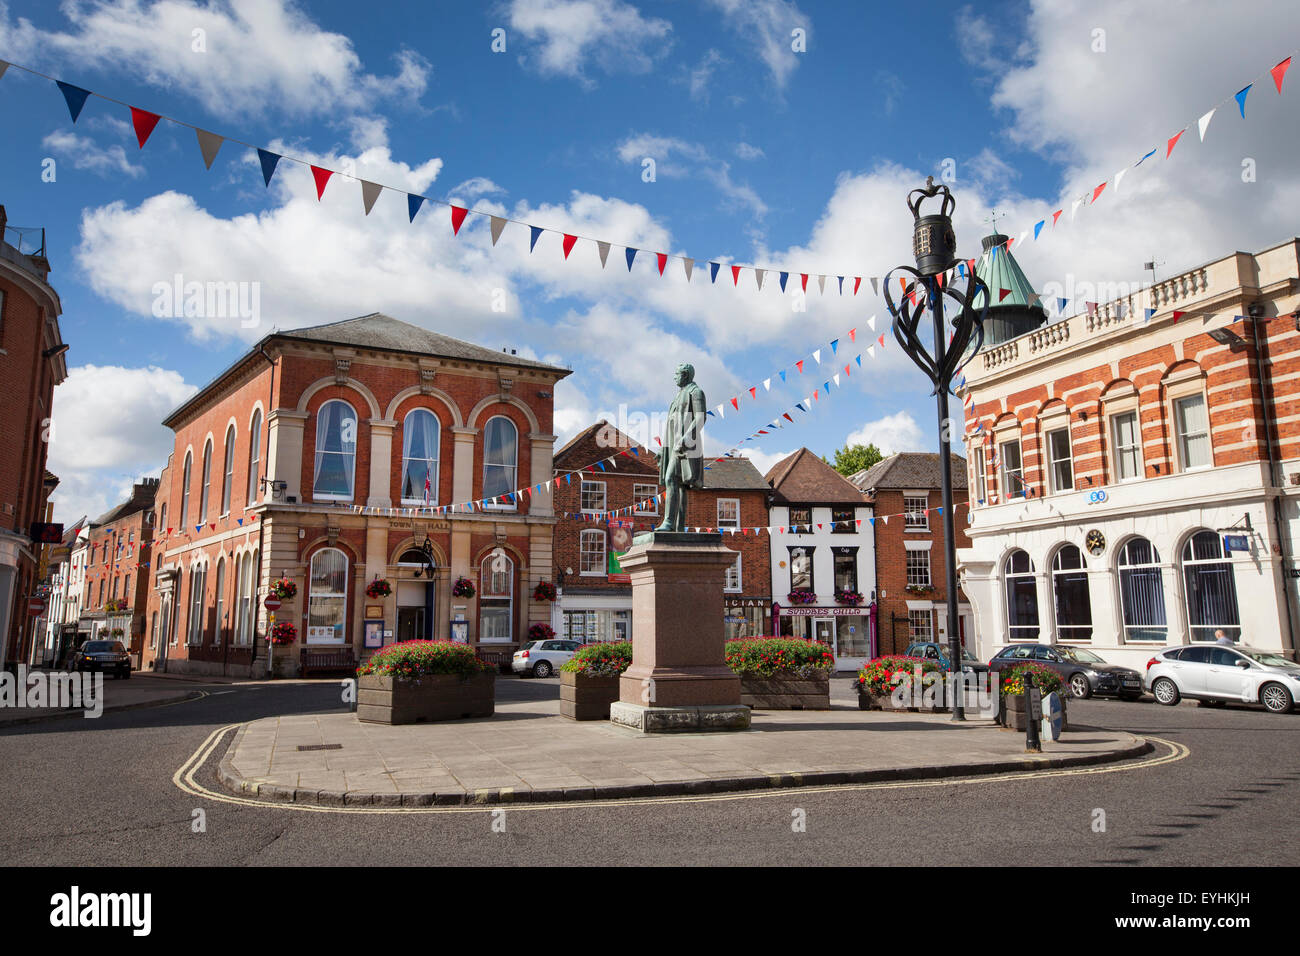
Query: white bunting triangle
[1022,237]
[821,282]
[369,193]
[871,351]
[767,385]
[818,356]
[872,322]
[1204,123]
[836,378]
[495,228]
[1119,176]
[690,267]
[1074,208]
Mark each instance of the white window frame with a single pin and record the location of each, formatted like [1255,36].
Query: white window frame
[735,569]
[316,494]
[643,503]
[254,457]
[228,472]
[1177,398]
[593,488]
[911,513]
[198,587]
[918,547]
[512,468]
[313,594]
[187,471]
[204,496]
[1053,461]
[1118,451]
[589,535]
[911,625]
[494,602]
[728,522]
[432,464]
[219,598]
[1018,487]
[981,476]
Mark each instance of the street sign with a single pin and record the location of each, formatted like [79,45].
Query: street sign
[1035,704]
[46,532]
[272,603]
[1235,542]
[1052,714]
[36,606]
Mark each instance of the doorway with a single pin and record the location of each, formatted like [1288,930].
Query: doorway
[410,624]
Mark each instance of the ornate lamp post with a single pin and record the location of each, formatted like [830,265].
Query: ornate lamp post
[934,244]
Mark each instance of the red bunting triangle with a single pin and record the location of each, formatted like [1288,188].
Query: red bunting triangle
[144,122]
[799,366]
[735,275]
[1003,293]
[1056,215]
[881,340]
[322,177]
[1178,315]
[786,416]
[735,404]
[853,333]
[1009,241]
[1097,192]
[1173,141]
[753,392]
[803,276]
[857,281]
[663,261]
[1279,72]
[458,216]
[815,398]
[568,244]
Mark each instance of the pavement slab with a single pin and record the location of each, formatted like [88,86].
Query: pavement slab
[529,752]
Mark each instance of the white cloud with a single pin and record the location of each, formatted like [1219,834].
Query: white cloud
[105,417]
[764,461]
[257,52]
[84,153]
[767,26]
[693,159]
[568,33]
[700,76]
[747,151]
[892,433]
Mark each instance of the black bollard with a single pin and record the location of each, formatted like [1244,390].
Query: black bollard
[1032,743]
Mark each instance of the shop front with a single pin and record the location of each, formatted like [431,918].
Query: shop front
[747,617]
[850,631]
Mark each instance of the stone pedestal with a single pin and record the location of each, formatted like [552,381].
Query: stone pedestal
[679,678]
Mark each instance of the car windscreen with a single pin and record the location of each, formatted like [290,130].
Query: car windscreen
[99,647]
[1270,660]
[1082,655]
[527,645]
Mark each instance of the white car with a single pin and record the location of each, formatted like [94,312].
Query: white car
[1218,673]
[542,658]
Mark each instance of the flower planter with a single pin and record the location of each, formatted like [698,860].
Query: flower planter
[587,698]
[870,701]
[786,690]
[389,700]
[1014,708]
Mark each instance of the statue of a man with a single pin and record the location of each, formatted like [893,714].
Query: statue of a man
[681,462]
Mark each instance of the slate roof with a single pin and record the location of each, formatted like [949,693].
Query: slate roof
[379,331]
[908,469]
[734,474]
[583,449]
[804,479]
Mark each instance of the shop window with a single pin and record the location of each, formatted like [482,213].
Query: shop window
[1211,588]
[921,625]
[327,597]
[496,606]
[1022,598]
[1141,591]
[1070,592]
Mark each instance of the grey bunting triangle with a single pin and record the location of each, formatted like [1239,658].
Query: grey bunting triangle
[497,225]
[369,193]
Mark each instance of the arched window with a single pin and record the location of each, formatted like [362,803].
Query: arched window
[336,450]
[500,458]
[1142,592]
[1211,588]
[207,480]
[197,580]
[327,597]
[185,491]
[420,437]
[1022,598]
[496,606]
[220,597]
[1070,593]
[245,599]
[229,472]
[254,456]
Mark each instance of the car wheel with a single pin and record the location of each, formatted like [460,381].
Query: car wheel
[542,669]
[1165,691]
[1080,687]
[126,674]
[1275,698]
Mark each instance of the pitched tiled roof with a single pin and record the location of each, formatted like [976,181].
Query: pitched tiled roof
[379,331]
[734,474]
[909,469]
[803,478]
[590,446]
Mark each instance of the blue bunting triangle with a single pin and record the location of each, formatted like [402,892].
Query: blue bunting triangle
[713,271]
[269,161]
[75,97]
[1240,97]
[784,277]
[413,204]
[631,254]
[536,233]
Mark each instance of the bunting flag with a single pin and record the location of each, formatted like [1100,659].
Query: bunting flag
[1240,97]
[663,261]
[568,243]
[322,176]
[369,193]
[1173,141]
[1203,123]
[631,254]
[498,224]
[534,234]
[413,204]
[269,161]
[209,144]
[144,123]
[1278,72]
[74,96]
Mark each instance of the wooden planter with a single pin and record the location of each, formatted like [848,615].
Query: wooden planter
[870,701]
[786,691]
[1014,708]
[387,700]
[587,698]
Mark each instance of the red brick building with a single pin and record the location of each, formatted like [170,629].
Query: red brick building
[595,598]
[911,570]
[1135,467]
[338,455]
[31,364]
[115,591]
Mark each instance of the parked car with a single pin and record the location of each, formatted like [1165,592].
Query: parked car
[1218,674]
[103,656]
[934,651]
[1084,672]
[542,658]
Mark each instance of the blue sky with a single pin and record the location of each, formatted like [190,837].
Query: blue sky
[763,156]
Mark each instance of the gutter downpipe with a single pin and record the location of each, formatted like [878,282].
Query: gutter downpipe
[261,524]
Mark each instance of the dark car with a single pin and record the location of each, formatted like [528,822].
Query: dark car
[934,651]
[103,656]
[1085,673]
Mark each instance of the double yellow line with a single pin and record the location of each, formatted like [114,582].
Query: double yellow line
[185,779]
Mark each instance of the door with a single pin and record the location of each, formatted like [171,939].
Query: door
[410,624]
[824,631]
[1192,670]
[1224,678]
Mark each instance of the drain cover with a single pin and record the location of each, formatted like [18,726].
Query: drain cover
[320,746]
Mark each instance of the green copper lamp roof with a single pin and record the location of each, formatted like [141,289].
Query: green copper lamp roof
[999,270]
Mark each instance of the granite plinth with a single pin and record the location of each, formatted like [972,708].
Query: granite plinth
[665,720]
[677,537]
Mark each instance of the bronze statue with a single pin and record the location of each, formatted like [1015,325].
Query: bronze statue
[681,462]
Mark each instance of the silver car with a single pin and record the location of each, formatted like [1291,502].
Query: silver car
[542,658]
[1218,673]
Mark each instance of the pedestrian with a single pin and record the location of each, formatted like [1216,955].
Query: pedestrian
[1221,638]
